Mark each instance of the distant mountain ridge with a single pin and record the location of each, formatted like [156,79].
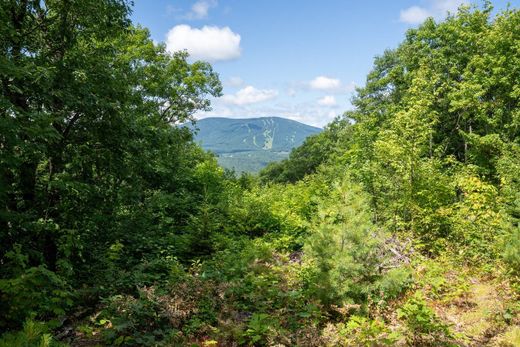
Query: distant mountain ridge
[250,144]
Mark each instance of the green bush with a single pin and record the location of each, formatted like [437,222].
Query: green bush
[130,321]
[259,327]
[33,334]
[394,282]
[345,251]
[477,221]
[512,253]
[36,294]
[424,327]
[362,331]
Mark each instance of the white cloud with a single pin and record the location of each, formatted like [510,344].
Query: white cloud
[297,101]
[327,100]
[329,84]
[308,112]
[200,9]
[437,9]
[325,83]
[209,43]
[249,95]
[414,15]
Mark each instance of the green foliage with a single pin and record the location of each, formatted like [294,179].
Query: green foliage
[508,167]
[280,213]
[36,293]
[259,327]
[394,282]
[34,334]
[344,250]
[129,321]
[424,327]
[477,220]
[428,107]
[512,253]
[361,331]
[306,159]
[106,202]
[249,161]
[97,188]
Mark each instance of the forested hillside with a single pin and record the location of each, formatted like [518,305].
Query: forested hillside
[248,145]
[398,225]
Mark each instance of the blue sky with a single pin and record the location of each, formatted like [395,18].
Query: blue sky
[299,59]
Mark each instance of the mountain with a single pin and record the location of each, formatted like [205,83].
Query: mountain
[250,144]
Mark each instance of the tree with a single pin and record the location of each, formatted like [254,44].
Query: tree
[343,249]
[89,149]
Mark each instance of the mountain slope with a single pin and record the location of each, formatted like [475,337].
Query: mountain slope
[250,144]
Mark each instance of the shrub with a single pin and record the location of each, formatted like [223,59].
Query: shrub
[362,331]
[129,321]
[345,252]
[424,327]
[512,253]
[33,334]
[259,327]
[477,220]
[36,294]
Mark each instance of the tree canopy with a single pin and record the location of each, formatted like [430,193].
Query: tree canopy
[400,218]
